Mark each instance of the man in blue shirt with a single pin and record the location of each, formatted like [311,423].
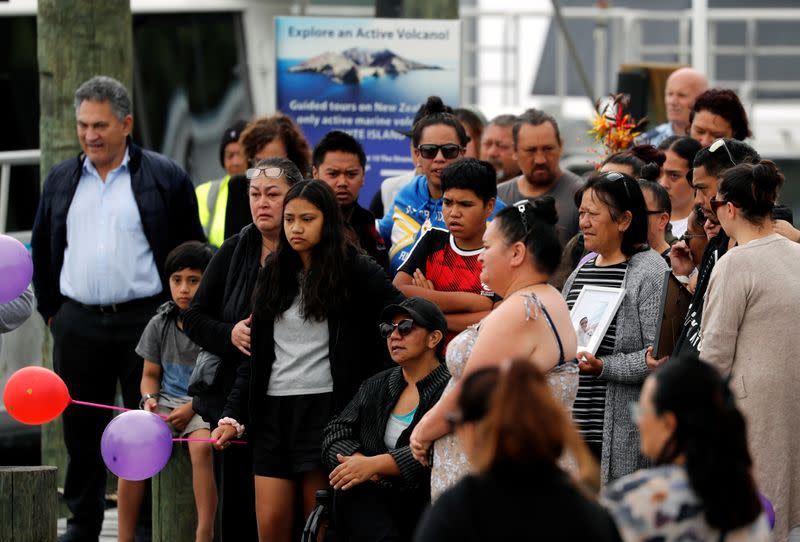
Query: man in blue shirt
[105,223]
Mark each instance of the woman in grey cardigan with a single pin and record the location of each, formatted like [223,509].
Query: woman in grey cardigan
[613,219]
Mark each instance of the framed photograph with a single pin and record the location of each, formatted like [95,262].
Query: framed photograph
[675,301]
[592,313]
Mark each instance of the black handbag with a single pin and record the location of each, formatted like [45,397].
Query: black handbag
[205,373]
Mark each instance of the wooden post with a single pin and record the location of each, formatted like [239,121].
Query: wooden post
[28,500]
[77,39]
[174,512]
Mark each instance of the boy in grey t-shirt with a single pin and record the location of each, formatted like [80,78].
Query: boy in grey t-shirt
[169,357]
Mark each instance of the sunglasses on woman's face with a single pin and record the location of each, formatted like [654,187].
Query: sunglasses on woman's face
[404,327]
[717,203]
[449,151]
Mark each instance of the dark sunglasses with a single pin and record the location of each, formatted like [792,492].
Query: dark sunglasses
[721,143]
[449,151]
[686,236]
[268,172]
[404,327]
[617,176]
[717,203]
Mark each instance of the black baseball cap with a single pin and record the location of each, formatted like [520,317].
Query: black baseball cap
[424,313]
[231,135]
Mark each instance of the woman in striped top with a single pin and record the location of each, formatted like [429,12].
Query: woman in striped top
[613,219]
[382,488]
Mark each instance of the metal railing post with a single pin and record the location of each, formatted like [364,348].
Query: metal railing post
[5,187]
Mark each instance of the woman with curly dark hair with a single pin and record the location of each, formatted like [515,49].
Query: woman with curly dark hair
[277,135]
[718,113]
[701,486]
[264,137]
[314,339]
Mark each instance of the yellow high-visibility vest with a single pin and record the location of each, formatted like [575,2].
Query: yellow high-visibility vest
[212,200]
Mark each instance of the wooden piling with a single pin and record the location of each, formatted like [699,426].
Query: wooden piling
[28,504]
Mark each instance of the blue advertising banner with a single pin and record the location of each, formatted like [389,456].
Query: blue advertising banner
[366,77]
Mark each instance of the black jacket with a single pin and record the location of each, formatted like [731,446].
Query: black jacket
[516,502]
[167,206]
[362,223]
[361,426]
[689,339]
[223,299]
[356,349]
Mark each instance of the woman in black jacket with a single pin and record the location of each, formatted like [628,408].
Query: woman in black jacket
[219,321]
[514,432]
[314,341]
[382,488]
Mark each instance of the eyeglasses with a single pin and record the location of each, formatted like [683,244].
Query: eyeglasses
[617,176]
[449,151]
[721,143]
[686,236]
[404,327]
[520,205]
[717,203]
[656,212]
[269,172]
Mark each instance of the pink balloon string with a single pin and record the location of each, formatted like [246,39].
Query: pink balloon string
[206,440]
[109,407]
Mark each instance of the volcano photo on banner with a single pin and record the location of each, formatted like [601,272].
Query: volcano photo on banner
[366,77]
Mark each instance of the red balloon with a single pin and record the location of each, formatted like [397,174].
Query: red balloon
[35,395]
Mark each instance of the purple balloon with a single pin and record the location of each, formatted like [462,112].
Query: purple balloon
[136,445]
[16,268]
[768,509]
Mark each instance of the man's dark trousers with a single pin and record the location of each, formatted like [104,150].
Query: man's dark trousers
[92,351]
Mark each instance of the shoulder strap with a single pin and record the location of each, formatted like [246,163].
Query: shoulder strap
[533,298]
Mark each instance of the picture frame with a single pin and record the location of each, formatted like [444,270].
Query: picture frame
[675,303]
[592,314]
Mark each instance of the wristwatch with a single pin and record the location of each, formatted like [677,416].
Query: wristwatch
[146,397]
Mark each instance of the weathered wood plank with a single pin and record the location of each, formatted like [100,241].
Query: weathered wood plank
[174,512]
[29,495]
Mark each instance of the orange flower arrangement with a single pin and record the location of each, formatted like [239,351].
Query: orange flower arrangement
[612,127]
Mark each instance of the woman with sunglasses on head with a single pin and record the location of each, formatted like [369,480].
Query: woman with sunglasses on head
[381,489]
[439,139]
[514,432]
[701,486]
[276,136]
[314,339]
[613,220]
[521,251]
[219,321]
[752,296]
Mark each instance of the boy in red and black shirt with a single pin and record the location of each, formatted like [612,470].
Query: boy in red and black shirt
[443,265]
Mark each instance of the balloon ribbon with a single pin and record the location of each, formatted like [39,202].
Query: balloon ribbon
[109,407]
[206,440]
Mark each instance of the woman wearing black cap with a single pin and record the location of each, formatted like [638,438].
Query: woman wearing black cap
[382,489]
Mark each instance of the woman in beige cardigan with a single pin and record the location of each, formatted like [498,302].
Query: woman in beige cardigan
[753,297]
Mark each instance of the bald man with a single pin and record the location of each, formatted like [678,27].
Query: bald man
[683,86]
